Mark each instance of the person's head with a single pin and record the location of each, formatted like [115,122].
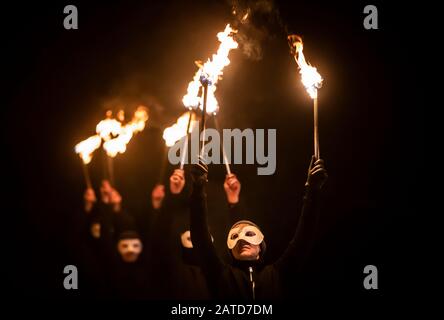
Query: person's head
[95,224]
[129,246]
[95,230]
[245,240]
[185,239]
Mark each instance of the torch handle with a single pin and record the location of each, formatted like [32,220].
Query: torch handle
[203,118]
[316,132]
[227,164]
[185,144]
[111,170]
[185,151]
[190,116]
[227,167]
[86,175]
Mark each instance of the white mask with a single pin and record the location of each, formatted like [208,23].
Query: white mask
[129,249]
[95,230]
[248,233]
[185,238]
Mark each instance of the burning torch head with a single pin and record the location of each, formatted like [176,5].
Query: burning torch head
[199,64]
[294,41]
[205,79]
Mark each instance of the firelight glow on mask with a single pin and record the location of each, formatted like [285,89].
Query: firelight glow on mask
[248,233]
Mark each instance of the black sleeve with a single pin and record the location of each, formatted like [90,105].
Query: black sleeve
[161,237]
[295,257]
[235,211]
[200,236]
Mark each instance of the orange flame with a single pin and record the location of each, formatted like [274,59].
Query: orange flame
[137,124]
[86,148]
[108,127]
[121,115]
[179,130]
[212,70]
[118,145]
[245,17]
[126,132]
[310,77]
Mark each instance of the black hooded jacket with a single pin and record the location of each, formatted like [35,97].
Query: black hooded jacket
[93,255]
[248,280]
[176,269]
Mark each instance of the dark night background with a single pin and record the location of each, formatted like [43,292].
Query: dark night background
[125,53]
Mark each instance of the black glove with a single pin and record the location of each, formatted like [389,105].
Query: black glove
[317,175]
[199,172]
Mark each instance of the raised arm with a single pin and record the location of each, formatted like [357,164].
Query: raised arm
[165,205]
[296,255]
[232,187]
[200,236]
[89,199]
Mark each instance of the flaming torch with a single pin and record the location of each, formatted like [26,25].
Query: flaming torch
[227,164]
[140,117]
[311,80]
[114,146]
[192,122]
[207,77]
[85,150]
[107,129]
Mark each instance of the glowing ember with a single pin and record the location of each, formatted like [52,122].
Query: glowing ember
[86,148]
[310,77]
[211,71]
[179,130]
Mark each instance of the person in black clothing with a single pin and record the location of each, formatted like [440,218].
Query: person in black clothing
[130,270]
[178,269]
[125,266]
[175,267]
[90,239]
[105,215]
[247,277]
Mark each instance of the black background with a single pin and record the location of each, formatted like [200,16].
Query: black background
[60,82]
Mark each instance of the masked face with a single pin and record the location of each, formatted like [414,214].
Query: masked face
[185,238]
[95,230]
[129,249]
[244,241]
